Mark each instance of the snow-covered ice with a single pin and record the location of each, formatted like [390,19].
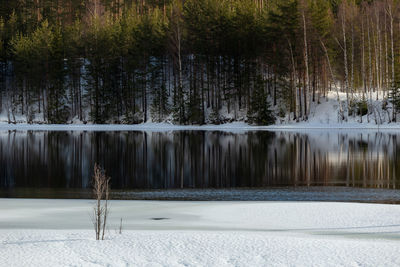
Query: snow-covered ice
[40,232]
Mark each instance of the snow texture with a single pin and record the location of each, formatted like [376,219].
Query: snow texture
[156,233]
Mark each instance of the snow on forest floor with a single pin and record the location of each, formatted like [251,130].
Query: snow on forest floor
[40,232]
[322,115]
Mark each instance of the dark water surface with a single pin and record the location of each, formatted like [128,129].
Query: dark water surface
[61,162]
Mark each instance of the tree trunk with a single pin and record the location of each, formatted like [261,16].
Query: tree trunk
[306,77]
[346,68]
[364,82]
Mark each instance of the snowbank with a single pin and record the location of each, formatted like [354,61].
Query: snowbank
[169,233]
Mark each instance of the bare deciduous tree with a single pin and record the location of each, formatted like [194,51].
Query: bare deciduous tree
[101,190]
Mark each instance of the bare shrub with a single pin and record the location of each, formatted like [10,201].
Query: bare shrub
[101,190]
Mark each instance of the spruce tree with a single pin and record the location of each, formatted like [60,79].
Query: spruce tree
[260,112]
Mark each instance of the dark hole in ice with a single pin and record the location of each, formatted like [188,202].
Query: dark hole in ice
[159,219]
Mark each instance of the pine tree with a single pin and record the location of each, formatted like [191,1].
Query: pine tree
[283,31]
[58,110]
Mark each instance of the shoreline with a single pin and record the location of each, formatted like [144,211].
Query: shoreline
[282,194]
[229,127]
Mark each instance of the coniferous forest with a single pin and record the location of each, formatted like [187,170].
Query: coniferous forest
[194,61]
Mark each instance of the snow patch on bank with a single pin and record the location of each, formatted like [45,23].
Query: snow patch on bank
[323,115]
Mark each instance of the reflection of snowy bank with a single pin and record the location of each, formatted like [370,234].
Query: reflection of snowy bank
[200,234]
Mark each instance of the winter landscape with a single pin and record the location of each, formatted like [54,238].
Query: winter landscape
[200,133]
[201,234]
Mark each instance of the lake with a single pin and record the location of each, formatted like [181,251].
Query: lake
[36,163]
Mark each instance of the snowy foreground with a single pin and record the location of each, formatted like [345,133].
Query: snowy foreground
[156,233]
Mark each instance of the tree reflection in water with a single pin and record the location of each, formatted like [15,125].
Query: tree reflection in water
[198,159]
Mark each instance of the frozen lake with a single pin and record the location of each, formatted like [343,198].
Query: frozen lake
[42,232]
[58,164]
